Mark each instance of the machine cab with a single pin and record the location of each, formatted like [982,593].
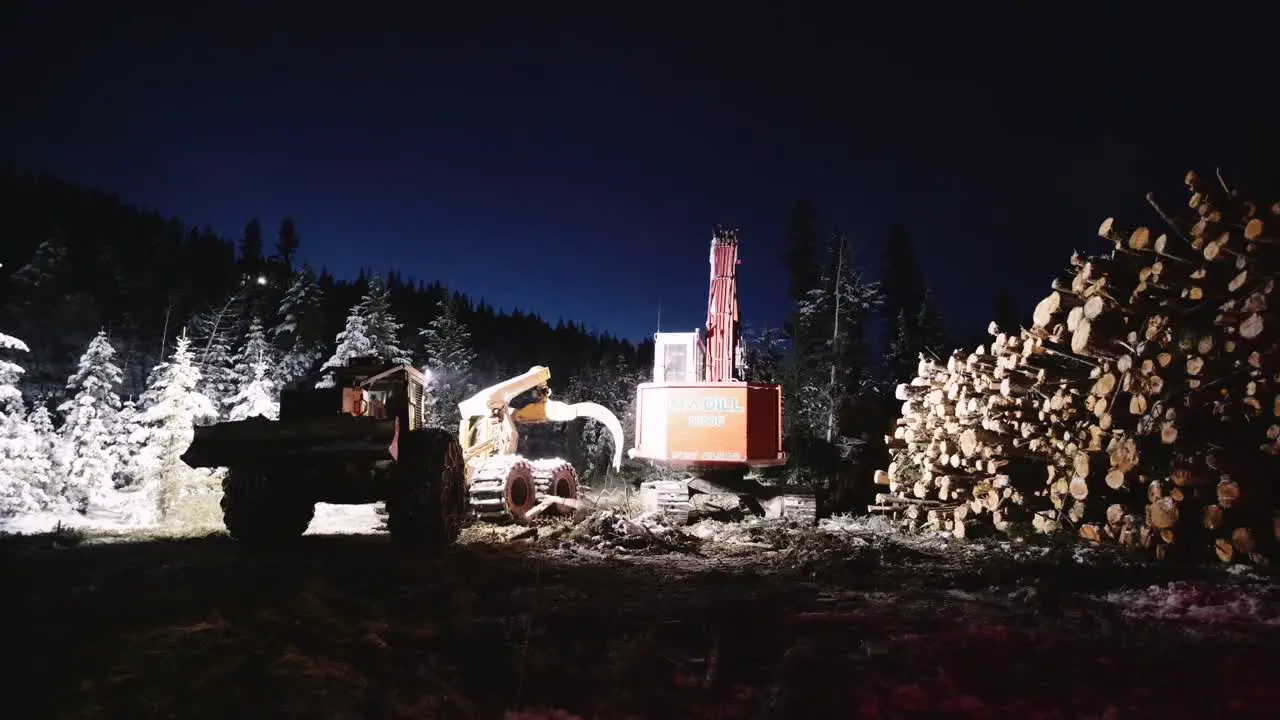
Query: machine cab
[678,357]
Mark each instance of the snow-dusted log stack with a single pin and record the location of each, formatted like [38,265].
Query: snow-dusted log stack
[1142,406]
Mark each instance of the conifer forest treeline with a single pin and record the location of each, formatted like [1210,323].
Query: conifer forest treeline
[121,328]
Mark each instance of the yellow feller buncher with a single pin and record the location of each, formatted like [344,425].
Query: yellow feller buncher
[366,440]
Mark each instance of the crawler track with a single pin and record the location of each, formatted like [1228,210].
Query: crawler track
[801,507]
[502,488]
[555,476]
[672,499]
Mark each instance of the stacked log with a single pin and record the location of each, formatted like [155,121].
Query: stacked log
[1141,406]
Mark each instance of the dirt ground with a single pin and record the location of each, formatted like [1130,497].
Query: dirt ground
[768,621]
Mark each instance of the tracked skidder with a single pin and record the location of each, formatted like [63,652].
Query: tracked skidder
[699,416]
[366,441]
[502,483]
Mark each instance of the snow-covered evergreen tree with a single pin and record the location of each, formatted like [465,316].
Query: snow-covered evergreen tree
[127,447]
[838,367]
[255,348]
[135,353]
[448,362]
[23,469]
[353,342]
[371,330]
[171,405]
[257,396]
[49,466]
[19,444]
[10,374]
[91,426]
[297,336]
[297,361]
[382,327]
[256,386]
[213,339]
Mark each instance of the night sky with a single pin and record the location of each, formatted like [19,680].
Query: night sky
[574,164]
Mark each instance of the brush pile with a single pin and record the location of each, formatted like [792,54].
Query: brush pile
[1141,406]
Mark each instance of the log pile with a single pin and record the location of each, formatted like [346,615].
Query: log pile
[1141,406]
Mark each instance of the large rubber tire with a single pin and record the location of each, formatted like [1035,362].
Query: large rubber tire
[428,496]
[257,510]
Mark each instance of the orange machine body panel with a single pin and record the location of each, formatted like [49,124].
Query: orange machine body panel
[711,425]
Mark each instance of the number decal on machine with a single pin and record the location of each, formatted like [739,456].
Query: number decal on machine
[703,421]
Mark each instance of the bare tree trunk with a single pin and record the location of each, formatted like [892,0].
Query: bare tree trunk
[164,335]
[835,339]
[217,324]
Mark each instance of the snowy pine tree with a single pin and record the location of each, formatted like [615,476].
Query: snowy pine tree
[171,405]
[214,336]
[838,310]
[449,362]
[253,367]
[371,330]
[10,373]
[353,342]
[381,325]
[126,447]
[256,387]
[257,396]
[19,444]
[255,348]
[48,470]
[297,337]
[91,425]
[23,469]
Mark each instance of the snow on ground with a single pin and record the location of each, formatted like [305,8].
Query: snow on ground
[345,520]
[117,512]
[44,522]
[122,515]
[1198,602]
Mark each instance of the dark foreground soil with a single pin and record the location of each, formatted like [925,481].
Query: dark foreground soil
[348,627]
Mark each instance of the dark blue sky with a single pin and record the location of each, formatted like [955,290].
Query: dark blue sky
[574,163]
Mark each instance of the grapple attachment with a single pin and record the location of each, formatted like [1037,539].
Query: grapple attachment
[563,412]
